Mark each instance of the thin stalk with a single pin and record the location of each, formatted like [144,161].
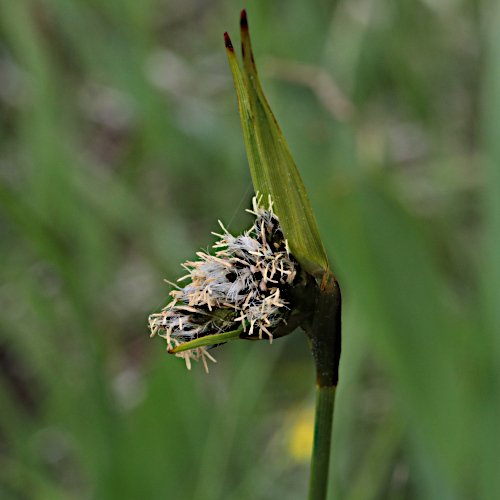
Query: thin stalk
[325,402]
[325,336]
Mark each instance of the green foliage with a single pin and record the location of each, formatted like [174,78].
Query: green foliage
[120,147]
[272,167]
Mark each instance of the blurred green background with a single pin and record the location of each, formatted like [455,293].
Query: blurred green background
[120,147]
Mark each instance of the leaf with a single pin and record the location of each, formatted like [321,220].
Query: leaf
[218,338]
[271,164]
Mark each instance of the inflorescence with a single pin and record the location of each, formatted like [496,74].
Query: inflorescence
[242,287]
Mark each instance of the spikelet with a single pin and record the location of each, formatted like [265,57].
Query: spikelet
[242,286]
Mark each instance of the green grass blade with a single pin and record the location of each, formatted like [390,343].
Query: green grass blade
[220,338]
[253,153]
[272,166]
[489,270]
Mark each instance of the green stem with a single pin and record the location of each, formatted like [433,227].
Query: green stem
[325,336]
[325,401]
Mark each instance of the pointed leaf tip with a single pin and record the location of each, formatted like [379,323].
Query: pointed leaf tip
[243,19]
[227,40]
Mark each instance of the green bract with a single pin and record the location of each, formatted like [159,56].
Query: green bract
[271,164]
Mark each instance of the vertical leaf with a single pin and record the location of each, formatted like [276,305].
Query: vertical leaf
[271,164]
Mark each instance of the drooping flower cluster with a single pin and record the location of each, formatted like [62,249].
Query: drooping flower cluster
[242,287]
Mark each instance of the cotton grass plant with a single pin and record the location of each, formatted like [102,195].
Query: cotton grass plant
[270,280]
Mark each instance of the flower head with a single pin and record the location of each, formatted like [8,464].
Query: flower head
[242,288]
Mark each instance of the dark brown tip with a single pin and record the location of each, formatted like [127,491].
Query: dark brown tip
[227,40]
[171,351]
[243,19]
